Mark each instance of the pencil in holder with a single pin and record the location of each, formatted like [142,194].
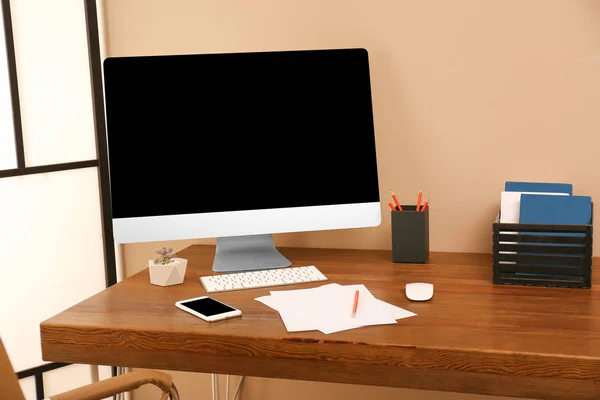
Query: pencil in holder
[410,235]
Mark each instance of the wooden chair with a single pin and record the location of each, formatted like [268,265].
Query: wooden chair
[11,390]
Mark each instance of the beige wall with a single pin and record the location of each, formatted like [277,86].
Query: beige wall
[467,94]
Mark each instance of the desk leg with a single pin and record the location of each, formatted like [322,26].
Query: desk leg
[227,387]
[94,373]
[237,390]
[120,371]
[215,386]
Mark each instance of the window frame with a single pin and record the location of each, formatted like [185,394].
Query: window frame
[101,161]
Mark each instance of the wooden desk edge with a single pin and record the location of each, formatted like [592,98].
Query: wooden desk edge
[537,375]
[416,368]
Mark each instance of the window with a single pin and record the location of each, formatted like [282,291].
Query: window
[52,218]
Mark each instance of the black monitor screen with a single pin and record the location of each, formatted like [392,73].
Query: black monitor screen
[228,132]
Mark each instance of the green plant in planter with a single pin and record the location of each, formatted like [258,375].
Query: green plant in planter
[165,256]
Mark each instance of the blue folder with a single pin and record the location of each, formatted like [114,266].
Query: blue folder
[510,186]
[547,209]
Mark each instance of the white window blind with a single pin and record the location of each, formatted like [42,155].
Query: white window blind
[54,81]
[52,254]
[50,223]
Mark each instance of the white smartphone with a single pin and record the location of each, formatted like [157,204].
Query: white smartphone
[208,308]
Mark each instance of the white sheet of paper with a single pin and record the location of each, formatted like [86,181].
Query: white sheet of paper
[300,292]
[328,308]
[268,301]
[370,311]
[302,310]
[395,311]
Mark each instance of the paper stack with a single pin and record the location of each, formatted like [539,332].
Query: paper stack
[328,308]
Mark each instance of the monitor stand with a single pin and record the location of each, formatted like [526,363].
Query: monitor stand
[247,253]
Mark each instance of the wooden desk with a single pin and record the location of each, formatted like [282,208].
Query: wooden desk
[472,337]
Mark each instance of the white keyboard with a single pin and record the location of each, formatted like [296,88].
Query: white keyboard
[261,278]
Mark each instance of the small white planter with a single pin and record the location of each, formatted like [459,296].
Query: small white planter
[169,274]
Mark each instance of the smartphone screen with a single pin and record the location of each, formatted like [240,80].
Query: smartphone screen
[207,306]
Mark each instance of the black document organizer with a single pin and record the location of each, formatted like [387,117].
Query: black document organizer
[540,258]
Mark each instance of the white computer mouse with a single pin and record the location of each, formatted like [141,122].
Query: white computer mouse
[419,291]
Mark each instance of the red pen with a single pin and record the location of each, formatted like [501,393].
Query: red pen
[425,205]
[419,200]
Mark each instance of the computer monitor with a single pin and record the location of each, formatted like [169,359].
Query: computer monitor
[240,146]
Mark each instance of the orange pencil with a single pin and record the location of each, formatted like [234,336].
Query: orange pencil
[419,200]
[355,304]
[391,205]
[425,205]
[396,201]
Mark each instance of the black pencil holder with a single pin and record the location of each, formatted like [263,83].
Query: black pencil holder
[410,235]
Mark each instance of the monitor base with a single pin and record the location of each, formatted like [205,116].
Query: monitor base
[247,253]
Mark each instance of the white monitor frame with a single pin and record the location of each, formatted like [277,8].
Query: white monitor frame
[245,237]
[249,222]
